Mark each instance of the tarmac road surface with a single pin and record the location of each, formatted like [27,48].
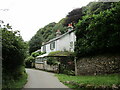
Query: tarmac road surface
[42,79]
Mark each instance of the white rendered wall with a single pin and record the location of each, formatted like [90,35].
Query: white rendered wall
[62,43]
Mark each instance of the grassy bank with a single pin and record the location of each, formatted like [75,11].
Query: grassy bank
[99,81]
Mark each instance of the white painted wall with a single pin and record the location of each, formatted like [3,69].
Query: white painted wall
[62,44]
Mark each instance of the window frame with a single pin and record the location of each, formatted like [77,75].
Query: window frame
[52,45]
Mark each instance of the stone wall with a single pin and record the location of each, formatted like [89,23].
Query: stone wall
[43,66]
[100,64]
[39,66]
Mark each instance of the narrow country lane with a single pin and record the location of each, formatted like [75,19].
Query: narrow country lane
[41,79]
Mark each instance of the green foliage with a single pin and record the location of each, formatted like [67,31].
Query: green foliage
[10,82]
[13,50]
[99,33]
[64,59]
[43,34]
[55,60]
[73,16]
[47,31]
[61,53]
[97,7]
[29,62]
[35,43]
[52,61]
[95,81]
[59,26]
[13,55]
[35,54]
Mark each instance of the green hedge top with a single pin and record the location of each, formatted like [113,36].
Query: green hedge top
[61,53]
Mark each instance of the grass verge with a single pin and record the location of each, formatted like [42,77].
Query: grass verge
[98,81]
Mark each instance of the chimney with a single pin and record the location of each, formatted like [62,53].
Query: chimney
[43,43]
[70,27]
[58,33]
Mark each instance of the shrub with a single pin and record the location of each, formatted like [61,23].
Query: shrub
[52,61]
[61,53]
[13,55]
[55,60]
[35,54]
[29,61]
[64,59]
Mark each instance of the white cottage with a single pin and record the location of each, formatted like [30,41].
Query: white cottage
[64,42]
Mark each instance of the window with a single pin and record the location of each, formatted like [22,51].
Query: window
[44,48]
[52,45]
[71,44]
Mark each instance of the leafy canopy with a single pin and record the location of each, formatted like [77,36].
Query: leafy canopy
[99,33]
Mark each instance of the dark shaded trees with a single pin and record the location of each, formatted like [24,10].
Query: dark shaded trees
[42,34]
[73,16]
[35,43]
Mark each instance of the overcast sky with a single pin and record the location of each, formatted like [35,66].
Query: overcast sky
[28,16]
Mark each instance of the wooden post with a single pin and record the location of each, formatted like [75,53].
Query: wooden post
[75,66]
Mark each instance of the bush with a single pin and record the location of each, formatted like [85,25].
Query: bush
[64,59]
[13,55]
[29,61]
[10,82]
[52,61]
[55,60]
[35,54]
[61,53]
[13,51]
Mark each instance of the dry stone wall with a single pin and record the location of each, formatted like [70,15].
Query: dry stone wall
[100,64]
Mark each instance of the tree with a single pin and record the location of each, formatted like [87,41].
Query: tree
[35,43]
[43,34]
[74,16]
[97,7]
[99,33]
